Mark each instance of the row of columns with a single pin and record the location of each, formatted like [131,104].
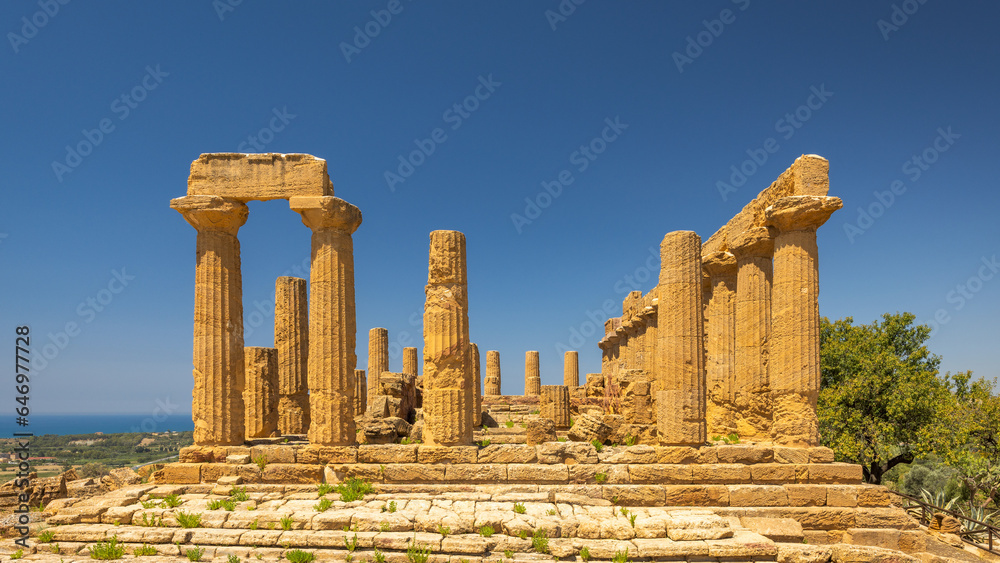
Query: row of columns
[754,369]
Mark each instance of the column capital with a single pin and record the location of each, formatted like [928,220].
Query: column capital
[757,241]
[801,212]
[326,212]
[212,213]
[719,263]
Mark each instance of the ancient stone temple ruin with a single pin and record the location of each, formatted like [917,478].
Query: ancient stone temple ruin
[697,441]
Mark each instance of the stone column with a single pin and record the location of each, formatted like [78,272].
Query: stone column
[360,392]
[492,373]
[680,401]
[448,377]
[532,380]
[261,394]
[554,404]
[720,344]
[332,322]
[219,377]
[753,249]
[477,394]
[378,360]
[291,338]
[571,369]
[410,361]
[794,361]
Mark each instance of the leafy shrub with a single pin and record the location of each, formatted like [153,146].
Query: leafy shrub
[188,520]
[299,556]
[110,549]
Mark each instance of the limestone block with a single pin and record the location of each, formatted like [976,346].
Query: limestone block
[539,430]
[507,453]
[690,525]
[774,529]
[554,404]
[566,452]
[843,473]
[588,427]
[721,473]
[757,495]
[660,473]
[260,396]
[806,495]
[246,177]
[388,453]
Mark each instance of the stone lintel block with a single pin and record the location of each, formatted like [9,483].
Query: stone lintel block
[775,473]
[757,495]
[508,453]
[259,177]
[720,473]
[179,473]
[806,495]
[387,453]
[791,455]
[873,496]
[820,454]
[660,473]
[273,453]
[537,473]
[841,473]
[414,473]
[445,454]
[886,539]
[292,473]
[476,473]
[328,454]
[367,471]
[634,495]
[841,495]
[745,454]
[889,517]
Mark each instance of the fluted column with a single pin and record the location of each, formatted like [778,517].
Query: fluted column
[553,404]
[378,360]
[410,361]
[219,378]
[291,338]
[532,379]
[448,377]
[753,250]
[680,401]
[261,393]
[720,344]
[360,392]
[492,386]
[332,322]
[571,369]
[794,360]
[477,393]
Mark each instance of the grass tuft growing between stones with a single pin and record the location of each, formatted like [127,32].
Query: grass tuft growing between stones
[110,549]
[418,553]
[188,520]
[195,553]
[519,508]
[299,556]
[353,489]
[540,541]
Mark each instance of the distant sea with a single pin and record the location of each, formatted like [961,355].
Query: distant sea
[64,424]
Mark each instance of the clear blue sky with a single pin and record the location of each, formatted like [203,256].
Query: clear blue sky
[199,77]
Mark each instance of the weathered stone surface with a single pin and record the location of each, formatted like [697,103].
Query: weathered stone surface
[292,473]
[492,383]
[332,319]
[774,529]
[327,454]
[448,378]
[588,427]
[477,389]
[476,473]
[720,344]
[554,404]
[217,405]
[179,473]
[539,430]
[530,473]
[845,473]
[532,379]
[392,453]
[454,454]
[291,338]
[794,370]
[843,553]
[378,360]
[721,473]
[680,399]
[566,452]
[571,368]
[773,473]
[744,454]
[360,392]
[660,473]
[689,525]
[508,453]
[116,479]
[260,396]
[246,177]
[790,553]
[757,495]
[806,495]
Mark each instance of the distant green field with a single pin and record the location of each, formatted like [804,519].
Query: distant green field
[113,450]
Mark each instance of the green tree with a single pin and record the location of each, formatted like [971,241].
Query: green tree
[881,396]
[972,437]
[94,470]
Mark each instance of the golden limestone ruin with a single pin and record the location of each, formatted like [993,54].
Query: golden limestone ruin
[698,441]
